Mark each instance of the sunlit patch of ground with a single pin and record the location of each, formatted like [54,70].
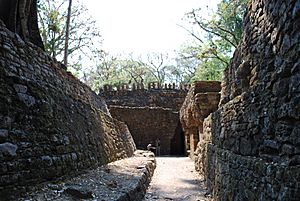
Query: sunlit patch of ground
[176,179]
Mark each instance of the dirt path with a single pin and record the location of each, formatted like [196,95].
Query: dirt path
[175,179]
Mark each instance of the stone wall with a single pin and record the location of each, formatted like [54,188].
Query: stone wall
[202,99]
[141,86]
[148,124]
[51,125]
[251,149]
[150,114]
[165,98]
[233,176]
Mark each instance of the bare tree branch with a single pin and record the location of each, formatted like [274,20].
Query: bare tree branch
[210,30]
[190,32]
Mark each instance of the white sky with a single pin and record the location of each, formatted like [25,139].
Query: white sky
[142,26]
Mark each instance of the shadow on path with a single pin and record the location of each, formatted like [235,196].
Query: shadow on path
[175,179]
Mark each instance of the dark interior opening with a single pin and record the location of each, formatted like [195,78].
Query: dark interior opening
[177,142]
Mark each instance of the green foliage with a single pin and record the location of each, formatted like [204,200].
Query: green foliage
[51,27]
[106,71]
[209,70]
[222,33]
[205,59]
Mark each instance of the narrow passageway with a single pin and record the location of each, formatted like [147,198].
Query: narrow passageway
[175,179]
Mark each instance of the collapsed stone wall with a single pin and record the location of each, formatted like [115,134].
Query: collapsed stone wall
[148,124]
[251,149]
[51,125]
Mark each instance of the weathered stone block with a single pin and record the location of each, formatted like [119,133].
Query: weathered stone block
[202,99]
[3,134]
[8,148]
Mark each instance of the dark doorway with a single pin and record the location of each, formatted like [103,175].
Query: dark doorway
[177,142]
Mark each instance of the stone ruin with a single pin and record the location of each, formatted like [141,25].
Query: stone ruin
[51,124]
[150,114]
[202,99]
[154,114]
[140,86]
[249,148]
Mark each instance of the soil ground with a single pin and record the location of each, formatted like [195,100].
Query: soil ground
[175,179]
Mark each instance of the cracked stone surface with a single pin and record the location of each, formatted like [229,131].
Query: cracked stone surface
[175,179]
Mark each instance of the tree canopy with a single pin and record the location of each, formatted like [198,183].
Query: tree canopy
[214,39]
[129,69]
[84,37]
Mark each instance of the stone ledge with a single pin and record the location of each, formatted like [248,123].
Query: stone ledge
[122,180]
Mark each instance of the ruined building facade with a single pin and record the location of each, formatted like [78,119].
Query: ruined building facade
[151,114]
[202,99]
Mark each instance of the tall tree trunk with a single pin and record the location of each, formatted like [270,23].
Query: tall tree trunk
[20,16]
[24,10]
[33,28]
[67,33]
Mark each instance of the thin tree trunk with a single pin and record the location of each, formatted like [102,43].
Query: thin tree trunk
[67,33]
